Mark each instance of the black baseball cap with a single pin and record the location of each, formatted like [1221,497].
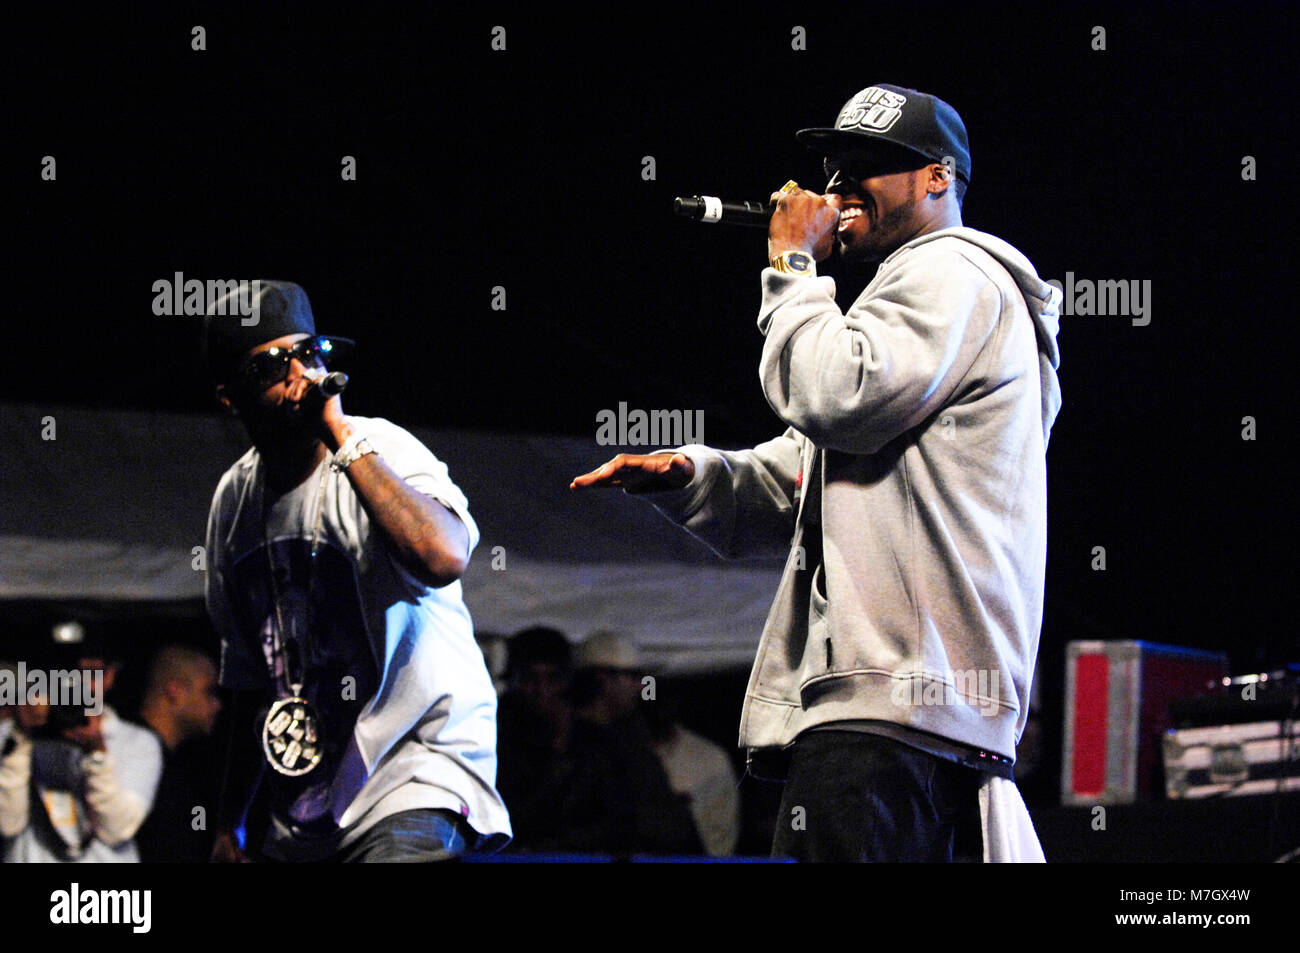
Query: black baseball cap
[884,123]
[280,308]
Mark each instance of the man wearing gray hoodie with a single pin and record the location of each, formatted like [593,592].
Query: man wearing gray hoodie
[909,494]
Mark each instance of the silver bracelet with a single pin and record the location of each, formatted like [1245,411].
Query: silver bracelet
[353,449]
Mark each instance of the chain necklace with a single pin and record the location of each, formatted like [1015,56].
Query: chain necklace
[291,733]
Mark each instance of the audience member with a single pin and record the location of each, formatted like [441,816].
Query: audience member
[181,705]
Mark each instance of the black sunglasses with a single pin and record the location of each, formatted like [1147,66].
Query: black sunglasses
[272,365]
[848,170]
[852,169]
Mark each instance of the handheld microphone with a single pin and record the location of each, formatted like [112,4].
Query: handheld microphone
[707,208]
[321,390]
[332,384]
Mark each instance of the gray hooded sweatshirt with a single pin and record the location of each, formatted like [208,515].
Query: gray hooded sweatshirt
[909,495]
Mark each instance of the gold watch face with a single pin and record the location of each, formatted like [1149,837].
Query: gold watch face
[798,261]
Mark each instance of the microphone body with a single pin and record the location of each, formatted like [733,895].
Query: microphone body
[333,384]
[322,389]
[712,210]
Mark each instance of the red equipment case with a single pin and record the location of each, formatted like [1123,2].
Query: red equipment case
[1117,697]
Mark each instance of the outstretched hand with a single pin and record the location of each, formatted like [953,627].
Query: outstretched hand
[640,473]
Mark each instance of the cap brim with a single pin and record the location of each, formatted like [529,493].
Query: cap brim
[342,347]
[882,154]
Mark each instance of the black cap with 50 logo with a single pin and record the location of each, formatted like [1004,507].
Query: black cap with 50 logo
[884,123]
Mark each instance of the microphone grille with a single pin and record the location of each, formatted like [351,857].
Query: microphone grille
[333,383]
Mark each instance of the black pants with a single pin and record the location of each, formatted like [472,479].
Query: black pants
[413,837]
[852,796]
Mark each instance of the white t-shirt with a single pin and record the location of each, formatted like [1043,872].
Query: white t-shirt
[392,668]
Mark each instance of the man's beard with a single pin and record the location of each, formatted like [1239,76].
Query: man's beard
[880,240]
[277,428]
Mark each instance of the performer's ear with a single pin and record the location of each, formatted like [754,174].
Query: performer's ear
[223,397]
[940,178]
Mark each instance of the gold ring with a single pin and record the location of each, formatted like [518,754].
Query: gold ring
[791,186]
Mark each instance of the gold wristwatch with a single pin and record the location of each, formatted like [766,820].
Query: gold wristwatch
[798,263]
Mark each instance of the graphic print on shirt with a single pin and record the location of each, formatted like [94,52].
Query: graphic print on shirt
[324,644]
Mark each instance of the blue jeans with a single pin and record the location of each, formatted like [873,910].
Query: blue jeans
[852,796]
[411,837]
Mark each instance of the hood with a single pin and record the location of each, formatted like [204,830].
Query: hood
[1042,299]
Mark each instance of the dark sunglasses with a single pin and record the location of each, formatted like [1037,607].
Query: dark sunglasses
[853,169]
[850,170]
[272,365]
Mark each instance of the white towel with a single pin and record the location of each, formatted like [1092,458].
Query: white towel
[1009,836]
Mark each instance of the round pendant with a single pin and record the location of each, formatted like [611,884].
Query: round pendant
[291,738]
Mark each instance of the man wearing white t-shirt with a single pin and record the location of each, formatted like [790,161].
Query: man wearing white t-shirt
[336,545]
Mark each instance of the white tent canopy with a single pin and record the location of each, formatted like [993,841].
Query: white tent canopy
[112,507]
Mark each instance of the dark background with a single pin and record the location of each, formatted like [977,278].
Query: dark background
[522,169]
